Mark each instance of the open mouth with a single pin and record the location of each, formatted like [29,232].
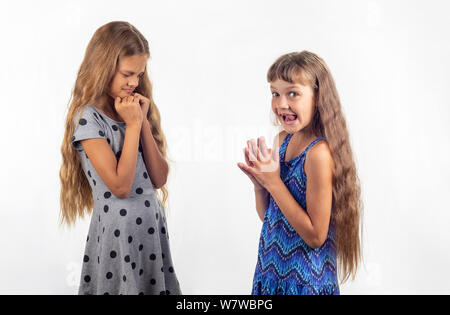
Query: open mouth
[289,118]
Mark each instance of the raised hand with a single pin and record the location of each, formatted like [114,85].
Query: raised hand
[262,164]
[144,103]
[129,109]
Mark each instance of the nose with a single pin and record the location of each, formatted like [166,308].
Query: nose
[133,82]
[282,102]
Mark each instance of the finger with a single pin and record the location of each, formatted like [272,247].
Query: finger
[117,103]
[265,156]
[250,176]
[253,154]
[252,157]
[252,160]
[250,172]
[249,149]
[263,148]
[259,156]
[246,169]
[254,148]
[246,157]
[275,155]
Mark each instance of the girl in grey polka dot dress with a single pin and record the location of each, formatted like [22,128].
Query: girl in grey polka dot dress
[113,166]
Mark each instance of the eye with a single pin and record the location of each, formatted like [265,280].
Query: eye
[275,94]
[139,76]
[293,94]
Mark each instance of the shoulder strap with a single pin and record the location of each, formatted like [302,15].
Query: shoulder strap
[313,143]
[284,145]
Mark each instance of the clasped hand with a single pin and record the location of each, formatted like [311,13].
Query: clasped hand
[262,164]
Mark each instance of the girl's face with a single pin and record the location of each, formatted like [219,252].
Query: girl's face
[292,104]
[129,71]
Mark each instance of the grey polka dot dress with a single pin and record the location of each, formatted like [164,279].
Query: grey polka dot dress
[127,247]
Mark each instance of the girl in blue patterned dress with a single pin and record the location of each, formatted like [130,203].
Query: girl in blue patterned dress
[307,190]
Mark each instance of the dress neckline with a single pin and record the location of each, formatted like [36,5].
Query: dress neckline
[286,142]
[102,113]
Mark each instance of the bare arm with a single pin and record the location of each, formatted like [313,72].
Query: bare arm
[262,196]
[117,176]
[262,201]
[156,165]
[311,225]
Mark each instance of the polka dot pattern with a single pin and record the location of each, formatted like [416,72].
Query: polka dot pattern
[127,249]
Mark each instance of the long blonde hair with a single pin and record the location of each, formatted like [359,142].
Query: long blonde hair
[108,44]
[328,121]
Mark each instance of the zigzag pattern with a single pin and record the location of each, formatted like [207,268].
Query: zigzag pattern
[286,264]
[303,250]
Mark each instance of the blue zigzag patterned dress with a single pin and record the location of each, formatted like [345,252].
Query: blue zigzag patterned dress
[286,264]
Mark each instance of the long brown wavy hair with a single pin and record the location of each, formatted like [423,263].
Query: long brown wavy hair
[108,44]
[328,121]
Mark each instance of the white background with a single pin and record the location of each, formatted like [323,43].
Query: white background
[390,61]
